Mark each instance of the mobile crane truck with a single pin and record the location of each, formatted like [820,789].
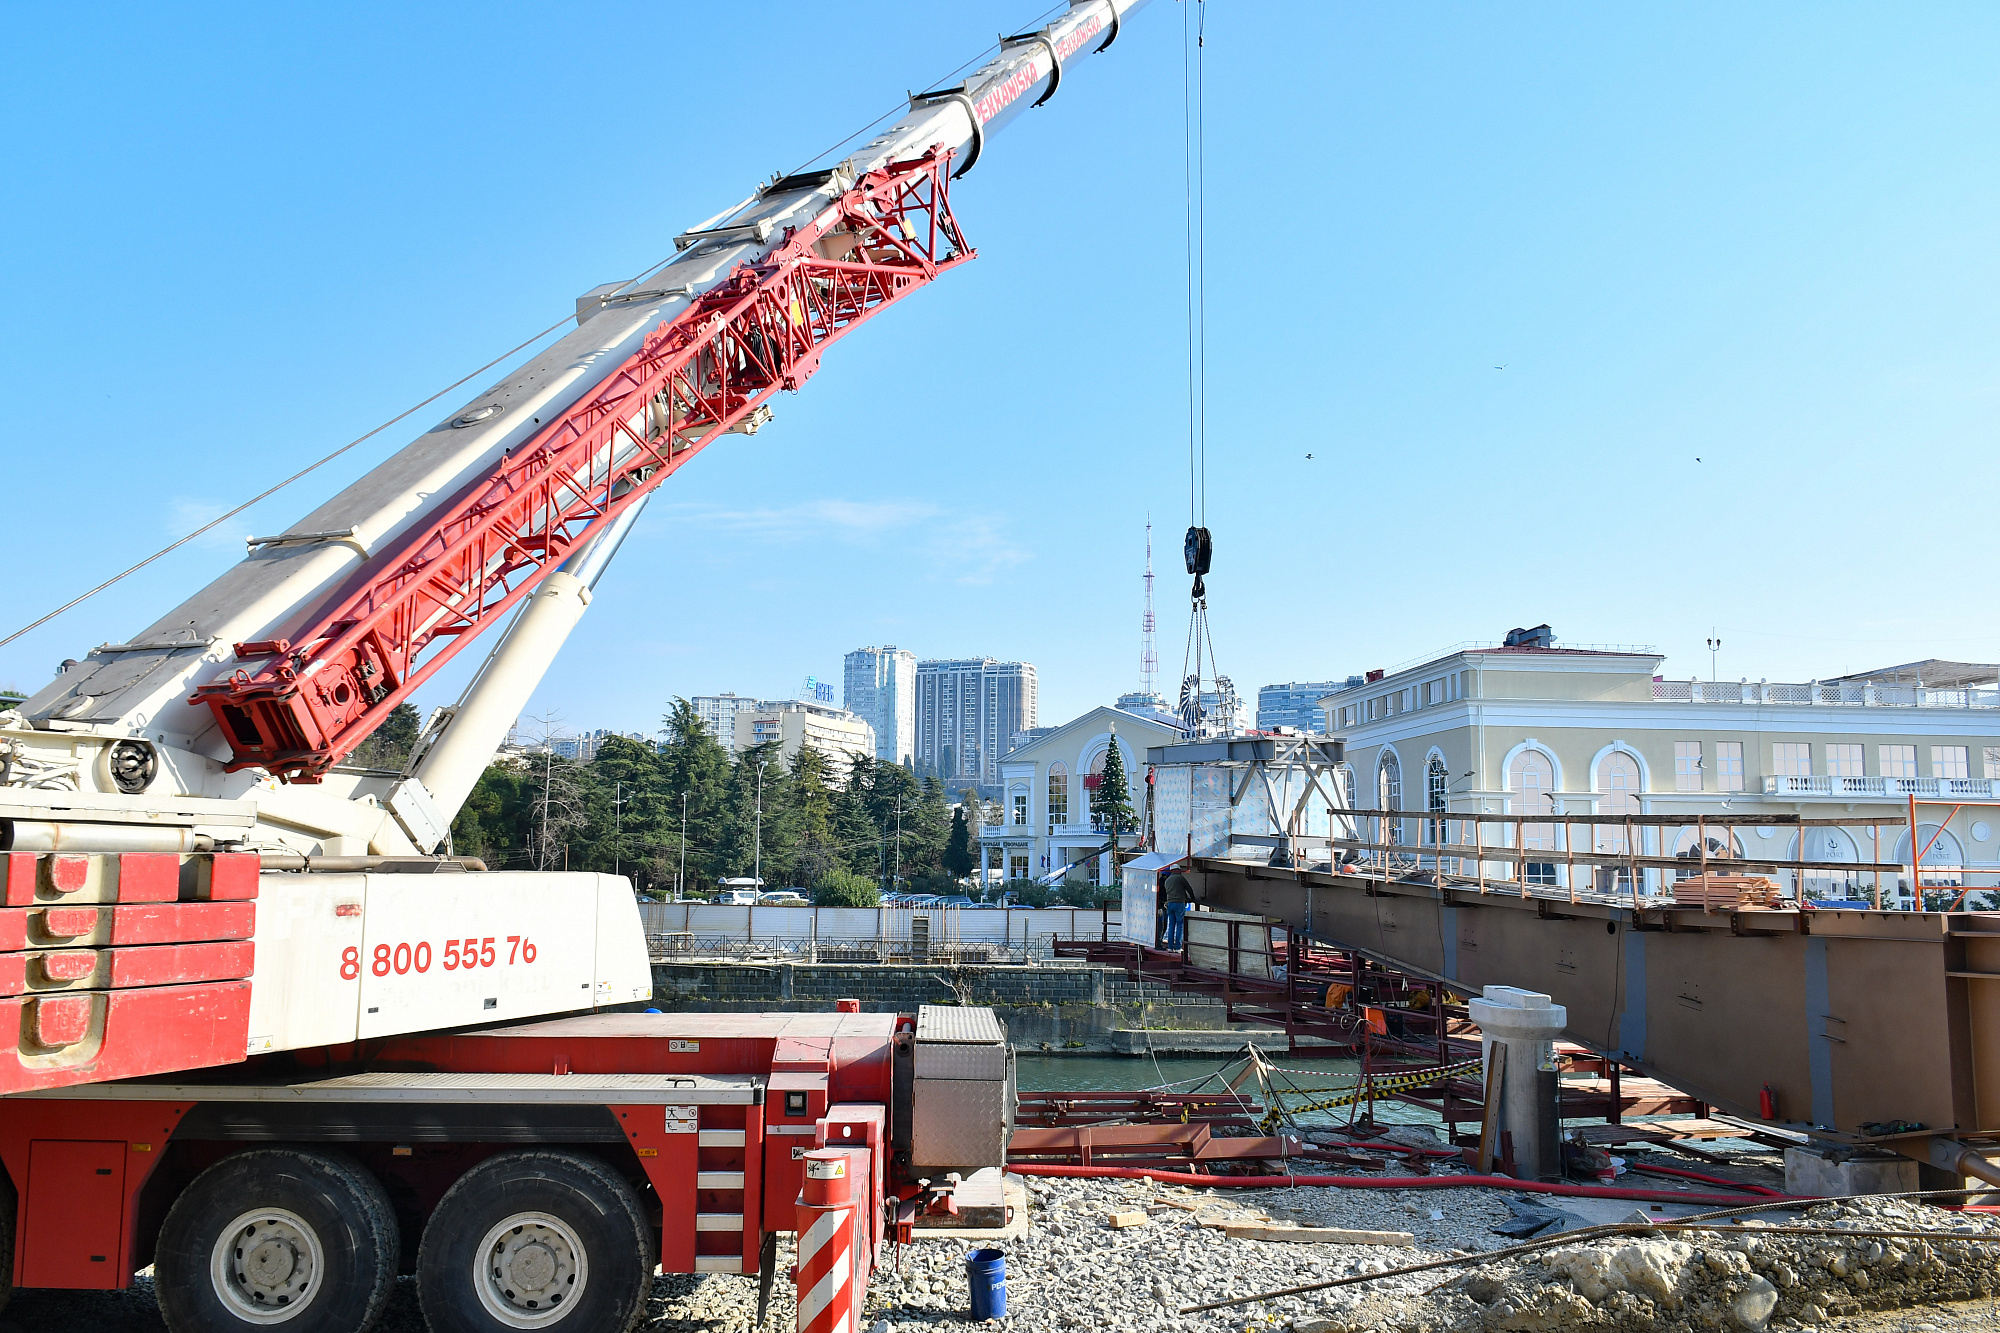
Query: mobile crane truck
[266,1034]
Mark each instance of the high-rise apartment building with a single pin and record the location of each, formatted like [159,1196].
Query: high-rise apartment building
[1296,704]
[880,687]
[718,713]
[968,712]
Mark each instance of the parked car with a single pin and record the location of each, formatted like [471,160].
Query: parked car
[784,898]
[737,898]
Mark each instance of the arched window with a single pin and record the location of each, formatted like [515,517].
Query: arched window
[1347,789]
[1058,796]
[1618,794]
[1830,844]
[1436,779]
[1389,795]
[1941,849]
[1531,781]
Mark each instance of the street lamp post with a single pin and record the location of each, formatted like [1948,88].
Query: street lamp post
[617,823]
[680,876]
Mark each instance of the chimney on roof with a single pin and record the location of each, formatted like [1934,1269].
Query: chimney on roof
[1541,636]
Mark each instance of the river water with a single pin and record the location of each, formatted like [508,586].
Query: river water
[1086,1073]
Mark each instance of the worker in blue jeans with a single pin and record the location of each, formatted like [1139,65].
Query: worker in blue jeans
[1180,897]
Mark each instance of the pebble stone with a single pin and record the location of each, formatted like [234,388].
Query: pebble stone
[1072,1272]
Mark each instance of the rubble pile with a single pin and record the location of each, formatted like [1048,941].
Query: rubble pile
[1750,1278]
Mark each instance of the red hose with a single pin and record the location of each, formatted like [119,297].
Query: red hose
[1377,1183]
[1653,1170]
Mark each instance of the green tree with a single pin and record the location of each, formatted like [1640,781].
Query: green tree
[391,743]
[752,833]
[492,824]
[844,888]
[1111,803]
[809,820]
[1027,893]
[693,765]
[958,846]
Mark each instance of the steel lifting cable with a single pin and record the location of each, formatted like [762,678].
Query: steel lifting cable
[1194,167]
[311,467]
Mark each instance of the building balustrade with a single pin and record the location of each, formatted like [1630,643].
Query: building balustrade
[1847,694]
[1880,788]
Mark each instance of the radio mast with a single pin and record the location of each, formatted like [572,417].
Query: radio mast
[1149,659]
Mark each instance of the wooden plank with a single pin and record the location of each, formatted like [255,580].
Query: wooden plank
[1489,1122]
[1701,1129]
[1137,1217]
[1315,1235]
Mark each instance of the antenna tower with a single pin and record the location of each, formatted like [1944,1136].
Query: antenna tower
[1149,660]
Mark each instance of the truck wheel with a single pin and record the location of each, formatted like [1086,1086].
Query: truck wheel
[275,1236]
[526,1240]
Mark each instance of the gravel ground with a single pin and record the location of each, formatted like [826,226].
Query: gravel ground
[1073,1272]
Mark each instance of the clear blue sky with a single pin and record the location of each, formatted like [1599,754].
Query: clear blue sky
[1761,237]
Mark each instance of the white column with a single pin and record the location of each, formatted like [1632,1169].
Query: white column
[1526,1023]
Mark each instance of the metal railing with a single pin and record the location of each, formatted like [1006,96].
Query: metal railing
[1813,692]
[1880,787]
[687,946]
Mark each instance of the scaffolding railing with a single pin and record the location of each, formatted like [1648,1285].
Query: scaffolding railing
[1534,863]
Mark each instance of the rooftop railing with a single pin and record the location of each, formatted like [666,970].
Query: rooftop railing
[1822,693]
[1972,789]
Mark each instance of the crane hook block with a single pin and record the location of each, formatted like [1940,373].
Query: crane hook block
[1198,550]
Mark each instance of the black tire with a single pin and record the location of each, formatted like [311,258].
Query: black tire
[554,1239]
[312,1200]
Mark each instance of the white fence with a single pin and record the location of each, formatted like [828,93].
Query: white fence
[869,934]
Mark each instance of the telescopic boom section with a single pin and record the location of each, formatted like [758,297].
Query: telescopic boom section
[709,370]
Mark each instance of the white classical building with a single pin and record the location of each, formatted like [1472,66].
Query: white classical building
[1532,728]
[1045,789]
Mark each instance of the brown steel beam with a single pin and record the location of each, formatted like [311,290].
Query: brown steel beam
[1849,1017]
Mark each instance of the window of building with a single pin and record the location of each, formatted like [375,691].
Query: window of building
[1993,761]
[1842,761]
[1687,765]
[1347,787]
[1729,765]
[1791,760]
[1531,784]
[1435,781]
[1017,867]
[1058,796]
[1021,809]
[1618,794]
[1389,795]
[1897,761]
[1949,761]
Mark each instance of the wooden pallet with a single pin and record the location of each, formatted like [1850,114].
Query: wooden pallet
[1726,891]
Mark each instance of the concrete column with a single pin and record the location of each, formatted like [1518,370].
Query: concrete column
[1527,1024]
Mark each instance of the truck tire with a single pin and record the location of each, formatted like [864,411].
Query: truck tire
[276,1238]
[535,1239]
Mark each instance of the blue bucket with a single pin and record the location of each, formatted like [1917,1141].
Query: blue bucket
[986,1274]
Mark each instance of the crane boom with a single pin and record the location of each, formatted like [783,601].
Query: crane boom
[192,876]
[258,686]
[709,369]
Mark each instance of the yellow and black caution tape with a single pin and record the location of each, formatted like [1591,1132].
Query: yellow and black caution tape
[1371,1084]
